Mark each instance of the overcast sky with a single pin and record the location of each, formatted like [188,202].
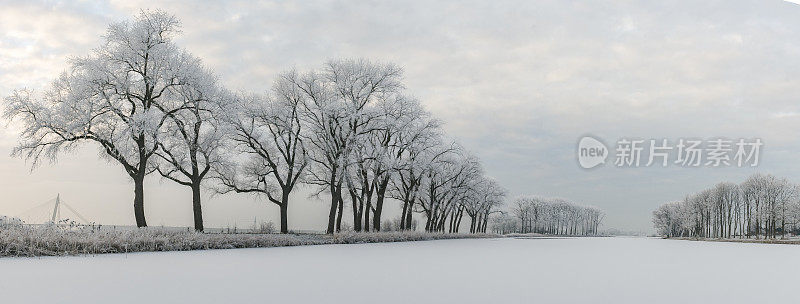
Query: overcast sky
[517,82]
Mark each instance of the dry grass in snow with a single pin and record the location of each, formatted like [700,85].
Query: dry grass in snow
[52,241]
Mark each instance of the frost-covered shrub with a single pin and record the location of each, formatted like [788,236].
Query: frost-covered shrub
[268,227]
[399,236]
[6,221]
[389,225]
[53,240]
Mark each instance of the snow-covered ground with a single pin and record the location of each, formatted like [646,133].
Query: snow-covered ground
[570,270]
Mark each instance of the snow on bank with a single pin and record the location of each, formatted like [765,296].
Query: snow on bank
[49,241]
[569,270]
[785,240]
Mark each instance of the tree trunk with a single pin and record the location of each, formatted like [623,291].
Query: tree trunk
[285,212]
[403,217]
[428,222]
[366,212]
[458,222]
[357,210]
[138,200]
[341,208]
[196,207]
[376,218]
[472,223]
[408,218]
[332,213]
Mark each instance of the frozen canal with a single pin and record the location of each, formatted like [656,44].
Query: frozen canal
[580,270]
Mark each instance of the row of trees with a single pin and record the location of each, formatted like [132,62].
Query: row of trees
[348,129]
[761,206]
[533,214]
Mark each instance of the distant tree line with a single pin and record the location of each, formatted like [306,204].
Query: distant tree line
[533,214]
[761,206]
[349,130]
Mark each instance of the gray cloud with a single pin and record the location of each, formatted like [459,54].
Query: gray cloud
[517,82]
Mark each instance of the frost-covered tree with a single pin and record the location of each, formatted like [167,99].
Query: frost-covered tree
[267,131]
[337,113]
[349,129]
[118,97]
[763,205]
[669,219]
[397,123]
[423,138]
[504,223]
[190,140]
[555,216]
[446,180]
[406,125]
[482,198]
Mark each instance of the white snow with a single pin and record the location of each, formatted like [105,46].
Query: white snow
[570,270]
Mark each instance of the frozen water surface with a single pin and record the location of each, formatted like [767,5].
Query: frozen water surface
[569,270]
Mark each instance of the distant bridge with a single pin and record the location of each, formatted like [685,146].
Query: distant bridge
[53,211]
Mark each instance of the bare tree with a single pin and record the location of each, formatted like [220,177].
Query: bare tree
[446,180]
[337,113]
[348,128]
[191,138]
[267,130]
[482,199]
[555,216]
[399,123]
[762,205]
[423,139]
[118,97]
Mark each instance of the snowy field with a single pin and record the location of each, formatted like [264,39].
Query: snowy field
[572,270]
